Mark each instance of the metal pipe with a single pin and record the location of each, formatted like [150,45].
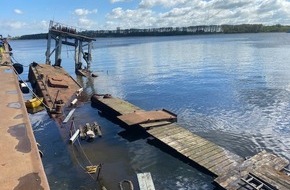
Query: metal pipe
[74,137]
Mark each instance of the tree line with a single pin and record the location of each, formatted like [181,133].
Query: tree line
[168,31]
[254,28]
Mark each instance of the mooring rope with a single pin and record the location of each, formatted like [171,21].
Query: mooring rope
[88,160]
[81,145]
[126,181]
[82,165]
[30,88]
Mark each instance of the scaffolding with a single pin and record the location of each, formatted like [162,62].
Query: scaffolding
[67,35]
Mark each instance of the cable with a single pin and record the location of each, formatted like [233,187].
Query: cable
[126,181]
[83,153]
[81,165]
[81,146]
[30,89]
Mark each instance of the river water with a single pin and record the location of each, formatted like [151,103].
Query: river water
[233,90]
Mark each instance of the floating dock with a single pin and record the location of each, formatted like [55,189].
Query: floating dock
[262,171]
[20,162]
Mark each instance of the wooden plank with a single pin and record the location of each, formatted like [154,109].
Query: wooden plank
[266,159]
[167,133]
[177,141]
[183,141]
[216,159]
[195,144]
[155,124]
[222,167]
[168,139]
[208,155]
[68,116]
[273,177]
[208,151]
[118,105]
[140,116]
[236,184]
[233,181]
[231,166]
[197,148]
[191,145]
[201,150]
[280,163]
[157,130]
[174,137]
[145,181]
[223,179]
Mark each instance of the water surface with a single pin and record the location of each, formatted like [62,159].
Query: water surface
[233,90]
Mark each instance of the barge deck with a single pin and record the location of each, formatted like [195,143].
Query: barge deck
[20,163]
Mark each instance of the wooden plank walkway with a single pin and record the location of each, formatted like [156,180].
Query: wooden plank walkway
[262,171]
[113,106]
[201,151]
[264,166]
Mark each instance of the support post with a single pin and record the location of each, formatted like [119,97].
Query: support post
[58,43]
[80,51]
[76,54]
[89,60]
[47,53]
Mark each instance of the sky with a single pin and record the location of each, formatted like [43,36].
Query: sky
[21,17]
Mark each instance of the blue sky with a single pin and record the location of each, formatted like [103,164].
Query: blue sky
[20,17]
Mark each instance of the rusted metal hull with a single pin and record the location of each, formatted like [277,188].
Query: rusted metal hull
[20,163]
[55,85]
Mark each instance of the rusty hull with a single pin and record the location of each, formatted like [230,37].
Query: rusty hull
[55,85]
[20,162]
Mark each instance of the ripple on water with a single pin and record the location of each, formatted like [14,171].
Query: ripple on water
[40,120]
[167,171]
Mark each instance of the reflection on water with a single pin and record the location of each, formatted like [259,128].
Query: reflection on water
[231,89]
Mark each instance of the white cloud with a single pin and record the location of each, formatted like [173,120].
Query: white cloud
[85,23]
[140,18]
[44,25]
[164,3]
[18,11]
[15,24]
[178,13]
[83,12]
[167,13]
[117,1]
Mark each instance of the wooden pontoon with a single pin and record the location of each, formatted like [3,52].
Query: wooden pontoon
[262,171]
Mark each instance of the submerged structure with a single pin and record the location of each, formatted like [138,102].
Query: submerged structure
[263,171]
[67,35]
[51,81]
